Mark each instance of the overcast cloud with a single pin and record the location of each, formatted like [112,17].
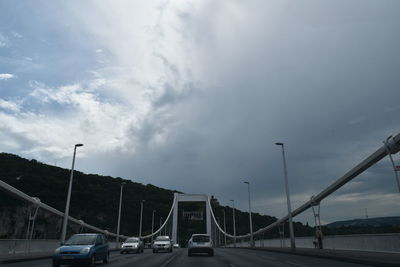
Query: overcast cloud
[192,95]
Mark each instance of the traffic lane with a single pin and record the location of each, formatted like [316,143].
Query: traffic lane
[222,258]
[148,259]
[116,259]
[245,257]
[199,260]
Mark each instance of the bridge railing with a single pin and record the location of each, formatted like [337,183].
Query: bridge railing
[18,247]
[391,146]
[29,245]
[365,242]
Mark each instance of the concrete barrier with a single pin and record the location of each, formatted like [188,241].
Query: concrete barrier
[10,247]
[368,242]
[23,246]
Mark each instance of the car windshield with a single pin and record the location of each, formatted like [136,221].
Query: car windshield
[81,240]
[201,238]
[132,240]
[162,238]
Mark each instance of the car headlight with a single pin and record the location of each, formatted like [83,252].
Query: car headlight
[85,250]
[57,251]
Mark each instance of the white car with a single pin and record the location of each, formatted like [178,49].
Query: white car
[162,243]
[200,243]
[132,244]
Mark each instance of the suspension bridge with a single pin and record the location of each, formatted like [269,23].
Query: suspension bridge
[376,249]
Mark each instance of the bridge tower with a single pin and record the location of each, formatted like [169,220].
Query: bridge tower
[189,198]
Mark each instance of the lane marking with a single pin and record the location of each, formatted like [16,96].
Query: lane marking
[231,265]
[267,258]
[296,264]
[168,261]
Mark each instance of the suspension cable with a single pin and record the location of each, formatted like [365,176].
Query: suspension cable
[165,222]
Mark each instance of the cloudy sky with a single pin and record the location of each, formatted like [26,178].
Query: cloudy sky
[192,95]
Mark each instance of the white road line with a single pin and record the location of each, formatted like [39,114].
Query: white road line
[232,265]
[168,261]
[296,264]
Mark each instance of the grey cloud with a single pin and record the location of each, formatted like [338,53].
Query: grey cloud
[321,77]
[305,84]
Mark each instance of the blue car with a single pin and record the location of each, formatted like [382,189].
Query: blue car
[82,248]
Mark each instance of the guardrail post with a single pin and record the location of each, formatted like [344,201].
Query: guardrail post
[33,209]
[281,228]
[317,220]
[395,168]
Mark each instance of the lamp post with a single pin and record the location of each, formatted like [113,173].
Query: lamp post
[224,229]
[218,232]
[152,225]
[141,214]
[251,223]
[234,223]
[66,213]
[119,212]
[292,241]
[160,226]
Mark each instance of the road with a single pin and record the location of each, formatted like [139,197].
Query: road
[222,258]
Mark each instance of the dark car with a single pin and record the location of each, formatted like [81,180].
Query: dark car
[82,248]
[200,243]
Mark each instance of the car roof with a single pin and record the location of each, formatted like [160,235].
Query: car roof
[88,234]
[200,235]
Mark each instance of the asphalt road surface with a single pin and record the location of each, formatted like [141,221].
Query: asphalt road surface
[222,258]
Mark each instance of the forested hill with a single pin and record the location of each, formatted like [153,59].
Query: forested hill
[95,200]
[375,222]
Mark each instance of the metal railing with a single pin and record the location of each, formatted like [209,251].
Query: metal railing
[391,146]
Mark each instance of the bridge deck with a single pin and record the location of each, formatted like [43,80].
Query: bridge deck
[354,256]
[359,257]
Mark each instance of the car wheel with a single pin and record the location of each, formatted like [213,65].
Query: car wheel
[211,253]
[107,257]
[154,251]
[121,252]
[189,254]
[92,261]
[56,264]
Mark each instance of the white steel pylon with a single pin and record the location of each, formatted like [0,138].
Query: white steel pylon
[189,198]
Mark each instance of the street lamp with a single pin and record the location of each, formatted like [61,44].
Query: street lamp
[218,238]
[66,213]
[160,225]
[119,212]
[224,229]
[234,223]
[141,214]
[152,225]
[292,242]
[251,223]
